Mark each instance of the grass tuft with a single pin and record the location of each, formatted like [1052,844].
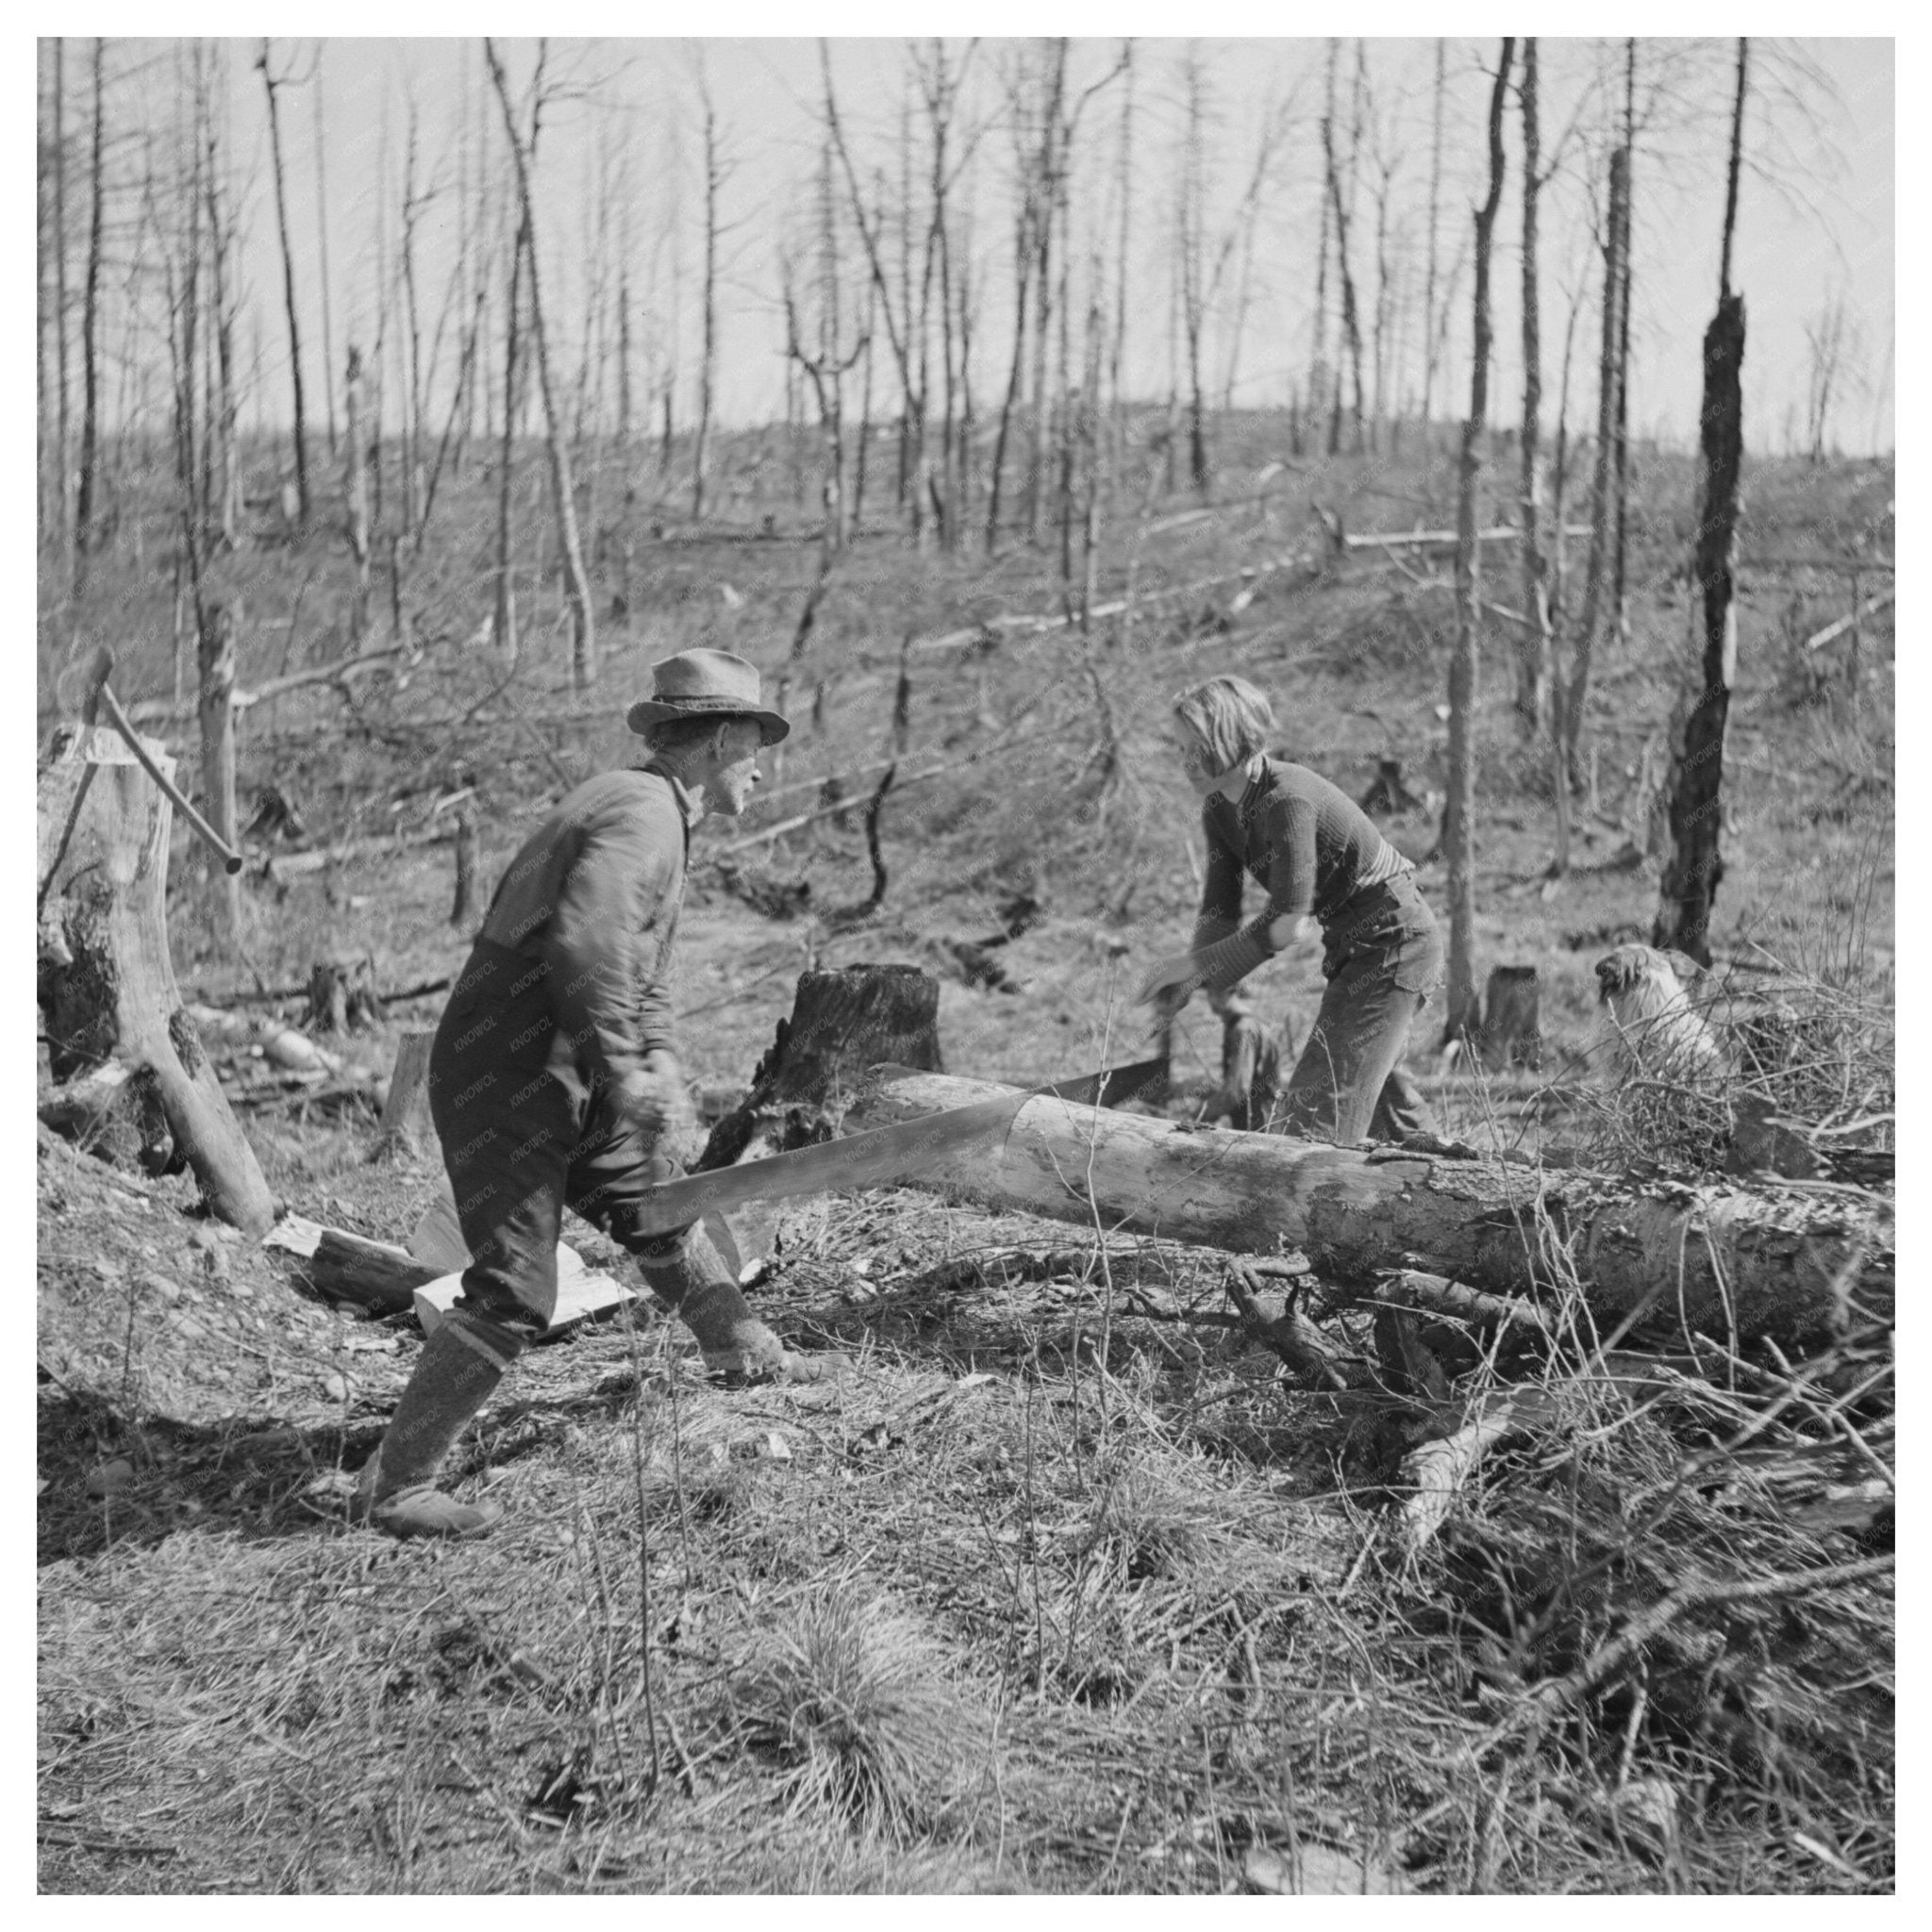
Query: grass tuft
[852,1698]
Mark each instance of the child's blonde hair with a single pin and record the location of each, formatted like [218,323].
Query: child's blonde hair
[1229,716]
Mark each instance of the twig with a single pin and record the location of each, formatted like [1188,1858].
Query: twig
[1544,1702]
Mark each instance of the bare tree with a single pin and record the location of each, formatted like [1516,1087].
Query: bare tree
[1428,287]
[1694,868]
[523,149]
[62,462]
[1533,640]
[828,363]
[329,353]
[1829,338]
[1459,823]
[89,335]
[1601,508]
[274,148]
[356,490]
[717,171]
[1350,324]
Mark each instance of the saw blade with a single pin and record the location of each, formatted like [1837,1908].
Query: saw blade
[873,1160]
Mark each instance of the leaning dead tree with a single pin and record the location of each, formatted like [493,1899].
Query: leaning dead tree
[131,1073]
[1691,872]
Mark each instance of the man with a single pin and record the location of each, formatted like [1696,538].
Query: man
[553,1079]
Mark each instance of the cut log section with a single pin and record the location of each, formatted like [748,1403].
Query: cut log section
[1791,1265]
[106,982]
[376,1276]
[582,1295]
[406,1131]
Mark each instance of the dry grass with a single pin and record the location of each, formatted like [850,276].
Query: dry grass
[850,1696]
[1065,1591]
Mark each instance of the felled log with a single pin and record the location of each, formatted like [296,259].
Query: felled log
[1792,1266]
[107,983]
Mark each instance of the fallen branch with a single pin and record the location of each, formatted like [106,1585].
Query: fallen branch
[1548,1700]
[1831,632]
[1411,1288]
[298,864]
[844,805]
[1295,1338]
[166,711]
[1436,1470]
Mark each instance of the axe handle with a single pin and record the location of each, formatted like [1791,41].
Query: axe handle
[231,860]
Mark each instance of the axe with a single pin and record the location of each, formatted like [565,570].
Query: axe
[98,693]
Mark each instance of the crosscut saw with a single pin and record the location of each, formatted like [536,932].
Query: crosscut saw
[875,1159]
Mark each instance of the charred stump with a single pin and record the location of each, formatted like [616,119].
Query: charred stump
[107,987]
[1251,1056]
[1511,1029]
[1389,795]
[343,996]
[842,1023]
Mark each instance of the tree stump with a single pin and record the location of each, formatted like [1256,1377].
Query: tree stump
[466,866]
[341,995]
[1389,795]
[1511,1035]
[106,984]
[844,1022]
[406,1131]
[1250,1071]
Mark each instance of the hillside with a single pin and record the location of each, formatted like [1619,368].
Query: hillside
[1070,1589]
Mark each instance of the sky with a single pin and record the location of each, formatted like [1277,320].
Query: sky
[1816,219]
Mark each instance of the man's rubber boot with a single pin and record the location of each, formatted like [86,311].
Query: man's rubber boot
[456,1374]
[690,1277]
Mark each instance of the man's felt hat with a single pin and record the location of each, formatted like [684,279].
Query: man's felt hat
[706,684]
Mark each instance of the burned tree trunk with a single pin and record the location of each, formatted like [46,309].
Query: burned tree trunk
[1689,889]
[107,985]
[844,1022]
[1729,1261]
[1512,1032]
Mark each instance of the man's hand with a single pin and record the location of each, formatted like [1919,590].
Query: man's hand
[653,1099]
